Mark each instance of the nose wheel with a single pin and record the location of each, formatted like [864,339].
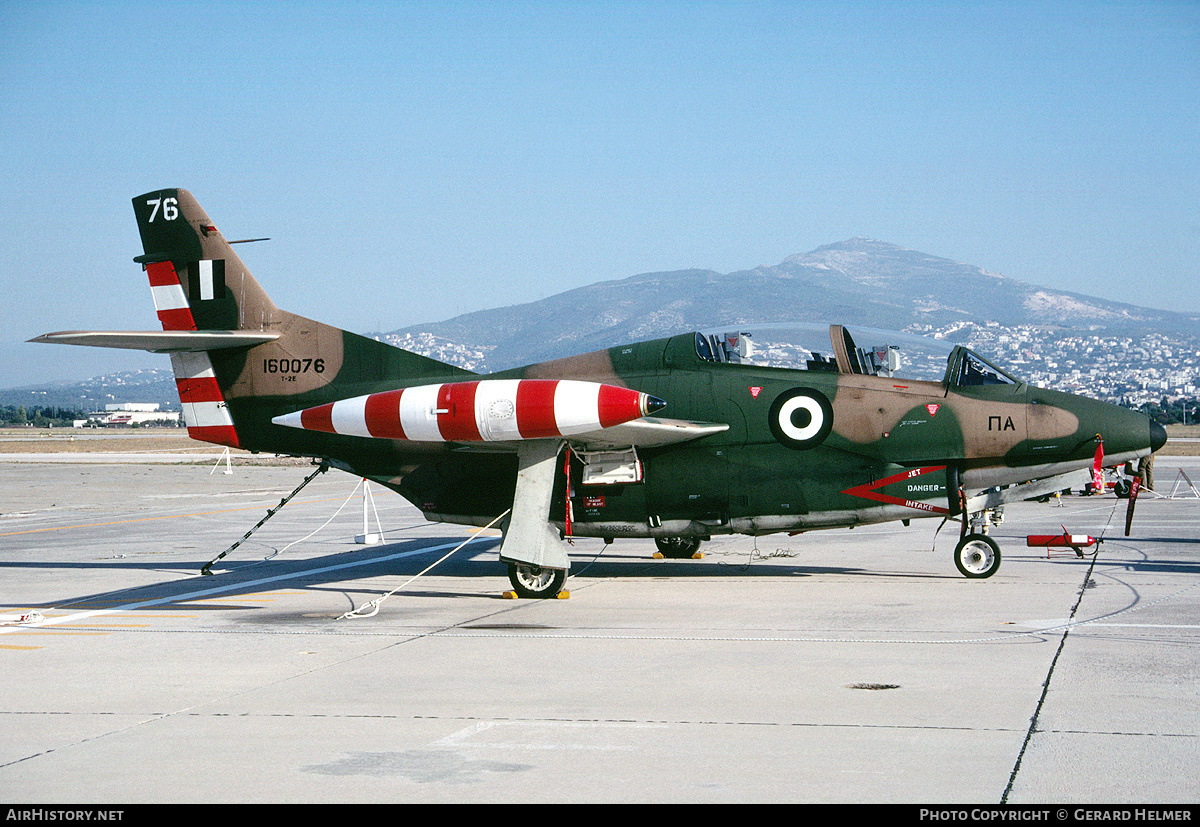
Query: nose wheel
[977,556]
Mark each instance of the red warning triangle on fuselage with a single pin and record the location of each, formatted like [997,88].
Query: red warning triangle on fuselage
[870,491]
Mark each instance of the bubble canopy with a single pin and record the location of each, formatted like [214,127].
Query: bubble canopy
[835,349]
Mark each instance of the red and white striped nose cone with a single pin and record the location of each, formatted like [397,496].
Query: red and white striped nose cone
[487,410]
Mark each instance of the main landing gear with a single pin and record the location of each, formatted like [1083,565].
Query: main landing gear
[537,559]
[677,548]
[536,582]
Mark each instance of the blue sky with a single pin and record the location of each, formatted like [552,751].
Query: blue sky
[413,161]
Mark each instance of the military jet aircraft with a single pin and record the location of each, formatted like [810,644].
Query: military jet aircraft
[584,446]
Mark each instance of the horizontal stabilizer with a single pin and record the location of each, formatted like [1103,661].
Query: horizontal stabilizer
[160,341]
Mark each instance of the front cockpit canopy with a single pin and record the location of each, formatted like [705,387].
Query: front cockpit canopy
[969,368]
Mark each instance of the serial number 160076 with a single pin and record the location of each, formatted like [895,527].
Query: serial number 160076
[293,365]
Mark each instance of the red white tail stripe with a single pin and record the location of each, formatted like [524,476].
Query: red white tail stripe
[204,410]
[170,302]
[487,410]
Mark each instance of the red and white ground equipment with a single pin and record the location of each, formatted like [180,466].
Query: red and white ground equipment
[1076,542]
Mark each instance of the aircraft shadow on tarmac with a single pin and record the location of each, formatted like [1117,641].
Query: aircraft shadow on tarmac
[1145,562]
[1168,539]
[478,561]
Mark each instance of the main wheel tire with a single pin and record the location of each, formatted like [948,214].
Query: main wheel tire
[677,548]
[977,556]
[535,582]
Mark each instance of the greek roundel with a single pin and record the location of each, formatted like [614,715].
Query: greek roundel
[801,418]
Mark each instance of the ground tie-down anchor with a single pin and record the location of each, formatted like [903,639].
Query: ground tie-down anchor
[321,469]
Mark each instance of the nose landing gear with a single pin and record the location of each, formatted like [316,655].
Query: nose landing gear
[977,556]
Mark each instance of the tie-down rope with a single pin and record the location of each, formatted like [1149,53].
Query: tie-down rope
[373,605]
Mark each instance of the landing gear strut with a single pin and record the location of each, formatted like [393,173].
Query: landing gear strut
[537,559]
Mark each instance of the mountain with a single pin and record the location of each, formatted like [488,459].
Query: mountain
[860,282]
[150,385]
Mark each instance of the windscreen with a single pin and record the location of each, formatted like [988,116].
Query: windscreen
[973,369]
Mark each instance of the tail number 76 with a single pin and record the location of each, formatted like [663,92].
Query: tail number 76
[170,209]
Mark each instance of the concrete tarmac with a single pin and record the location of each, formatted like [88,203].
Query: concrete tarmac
[838,666]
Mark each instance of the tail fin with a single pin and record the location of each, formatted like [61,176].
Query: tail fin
[230,394]
[194,278]
[199,283]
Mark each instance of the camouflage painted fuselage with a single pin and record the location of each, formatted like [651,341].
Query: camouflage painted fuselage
[895,449]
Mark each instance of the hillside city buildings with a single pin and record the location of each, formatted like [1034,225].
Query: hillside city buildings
[1131,370]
